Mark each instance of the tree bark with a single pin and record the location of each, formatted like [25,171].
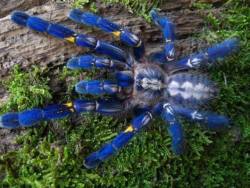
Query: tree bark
[19,45]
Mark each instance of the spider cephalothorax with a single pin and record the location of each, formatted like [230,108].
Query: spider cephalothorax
[144,86]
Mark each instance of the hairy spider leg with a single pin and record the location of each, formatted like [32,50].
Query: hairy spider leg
[168,30]
[175,129]
[123,80]
[106,25]
[211,120]
[62,32]
[109,149]
[88,62]
[33,116]
[207,57]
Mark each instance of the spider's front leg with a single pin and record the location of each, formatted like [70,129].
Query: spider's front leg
[62,32]
[124,35]
[168,29]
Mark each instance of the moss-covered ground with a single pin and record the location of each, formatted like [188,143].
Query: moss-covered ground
[51,155]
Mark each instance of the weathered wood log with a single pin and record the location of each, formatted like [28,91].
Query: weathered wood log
[19,45]
[6,6]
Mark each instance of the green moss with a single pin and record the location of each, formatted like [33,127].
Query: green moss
[52,155]
[26,90]
[201,5]
[138,7]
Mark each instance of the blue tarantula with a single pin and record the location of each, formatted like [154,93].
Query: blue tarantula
[144,86]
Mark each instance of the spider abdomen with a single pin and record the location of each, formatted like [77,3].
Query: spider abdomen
[187,88]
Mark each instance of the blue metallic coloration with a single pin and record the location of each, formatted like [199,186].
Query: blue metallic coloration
[96,87]
[56,111]
[124,35]
[111,50]
[37,24]
[20,18]
[90,61]
[139,51]
[30,117]
[168,30]
[33,116]
[109,107]
[124,78]
[106,107]
[118,142]
[209,56]
[211,120]
[62,32]
[130,39]
[175,129]
[9,120]
[158,57]
[85,41]
[139,86]
[91,19]
[169,51]
[41,25]
[82,62]
[84,105]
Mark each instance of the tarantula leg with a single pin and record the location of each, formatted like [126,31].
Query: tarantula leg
[158,57]
[119,141]
[33,116]
[105,25]
[167,28]
[124,80]
[207,57]
[62,32]
[175,129]
[90,61]
[211,120]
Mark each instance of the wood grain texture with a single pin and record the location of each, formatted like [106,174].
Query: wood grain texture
[19,45]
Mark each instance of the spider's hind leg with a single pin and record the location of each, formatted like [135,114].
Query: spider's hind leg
[106,25]
[211,120]
[111,148]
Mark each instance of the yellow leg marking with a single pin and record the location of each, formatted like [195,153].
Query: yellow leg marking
[129,129]
[117,34]
[71,39]
[70,106]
